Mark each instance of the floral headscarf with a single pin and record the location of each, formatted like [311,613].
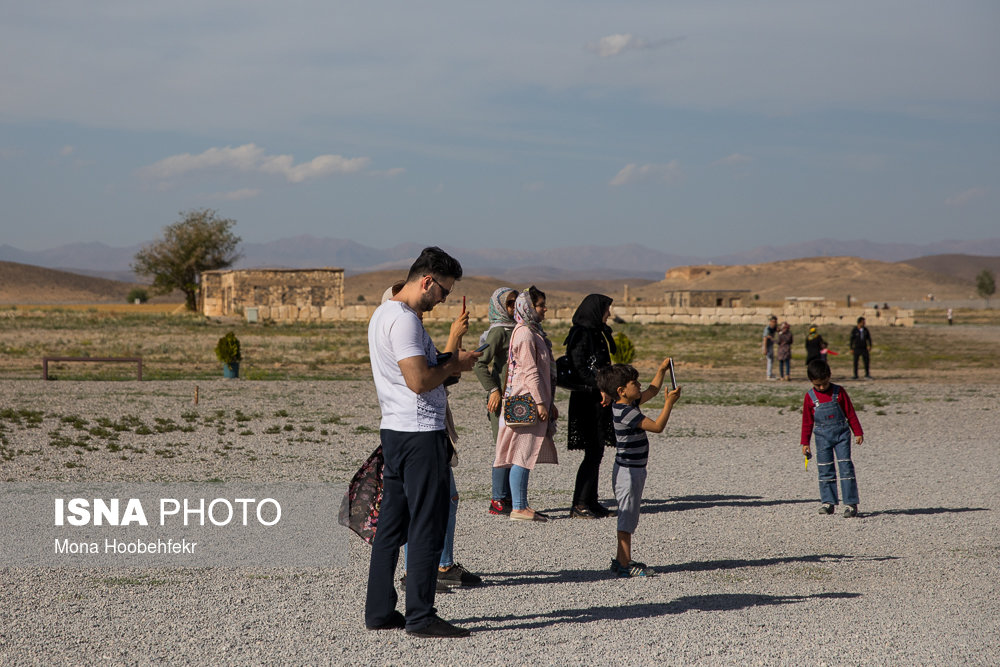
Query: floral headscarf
[525,314]
[813,334]
[499,317]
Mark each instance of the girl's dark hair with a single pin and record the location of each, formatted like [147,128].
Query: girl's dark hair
[818,370]
[611,377]
[536,295]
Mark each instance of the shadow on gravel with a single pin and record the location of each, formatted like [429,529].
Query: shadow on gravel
[721,602]
[918,511]
[578,576]
[682,503]
[703,565]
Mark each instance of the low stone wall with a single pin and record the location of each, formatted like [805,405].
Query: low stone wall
[794,314]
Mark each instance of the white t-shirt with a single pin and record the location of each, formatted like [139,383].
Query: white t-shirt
[395,332]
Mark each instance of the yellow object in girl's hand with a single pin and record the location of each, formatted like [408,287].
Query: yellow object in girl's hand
[807,463]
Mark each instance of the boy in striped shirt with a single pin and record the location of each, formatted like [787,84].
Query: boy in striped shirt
[628,477]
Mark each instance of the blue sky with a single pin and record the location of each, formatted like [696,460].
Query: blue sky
[693,127]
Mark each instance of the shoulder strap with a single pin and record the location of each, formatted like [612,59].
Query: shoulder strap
[813,398]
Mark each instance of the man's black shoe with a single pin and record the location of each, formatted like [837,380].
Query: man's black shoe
[456,575]
[439,628]
[396,622]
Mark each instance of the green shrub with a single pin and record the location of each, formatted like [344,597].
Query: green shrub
[625,352]
[137,294]
[228,349]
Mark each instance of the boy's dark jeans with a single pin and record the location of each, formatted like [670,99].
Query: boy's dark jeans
[414,511]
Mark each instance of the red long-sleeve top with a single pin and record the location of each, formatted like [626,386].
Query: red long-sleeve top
[809,410]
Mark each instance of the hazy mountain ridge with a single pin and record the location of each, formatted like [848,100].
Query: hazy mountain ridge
[566,263]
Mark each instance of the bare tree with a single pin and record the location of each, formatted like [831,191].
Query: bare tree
[200,241]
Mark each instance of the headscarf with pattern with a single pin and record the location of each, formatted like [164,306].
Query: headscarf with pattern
[525,314]
[499,317]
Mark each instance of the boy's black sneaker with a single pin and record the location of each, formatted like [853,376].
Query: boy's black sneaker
[826,508]
[439,628]
[850,511]
[456,575]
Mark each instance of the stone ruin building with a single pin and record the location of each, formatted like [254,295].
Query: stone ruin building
[705,298]
[273,294]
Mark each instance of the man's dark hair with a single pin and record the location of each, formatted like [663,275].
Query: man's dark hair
[818,370]
[860,320]
[611,377]
[435,262]
[536,295]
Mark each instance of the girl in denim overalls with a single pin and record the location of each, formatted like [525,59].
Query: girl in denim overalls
[828,412]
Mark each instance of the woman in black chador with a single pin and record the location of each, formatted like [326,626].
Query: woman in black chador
[589,346]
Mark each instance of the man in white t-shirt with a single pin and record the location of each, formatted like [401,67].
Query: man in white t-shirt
[414,510]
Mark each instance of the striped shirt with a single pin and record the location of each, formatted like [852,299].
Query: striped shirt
[633,445]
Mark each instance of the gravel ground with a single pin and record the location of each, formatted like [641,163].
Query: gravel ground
[747,572]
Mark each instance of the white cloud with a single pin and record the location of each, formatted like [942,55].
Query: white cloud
[734,159]
[630,173]
[614,45]
[235,195]
[963,198]
[252,158]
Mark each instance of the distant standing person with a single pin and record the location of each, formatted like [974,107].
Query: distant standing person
[409,382]
[491,370]
[784,341]
[827,413]
[949,317]
[861,345]
[589,345]
[814,346]
[767,344]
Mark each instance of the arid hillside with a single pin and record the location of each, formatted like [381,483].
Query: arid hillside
[828,277]
[963,267]
[28,284]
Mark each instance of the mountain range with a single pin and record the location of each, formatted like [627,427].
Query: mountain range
[565,263]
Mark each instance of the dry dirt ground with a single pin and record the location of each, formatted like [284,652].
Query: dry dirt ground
[747,572]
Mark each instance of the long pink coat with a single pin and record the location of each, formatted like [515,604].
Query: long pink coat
[531,373]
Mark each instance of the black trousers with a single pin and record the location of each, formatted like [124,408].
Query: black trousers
[414,511]
[864,355]
[588,475]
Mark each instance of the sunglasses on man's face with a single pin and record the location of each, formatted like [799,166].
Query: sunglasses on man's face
[444,291]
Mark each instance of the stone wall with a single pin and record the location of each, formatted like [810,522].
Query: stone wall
[285,294]
[794,314]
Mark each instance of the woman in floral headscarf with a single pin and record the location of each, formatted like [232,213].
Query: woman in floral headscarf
[531,370]
[497,341]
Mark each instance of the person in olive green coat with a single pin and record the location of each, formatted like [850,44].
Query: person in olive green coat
[491,369]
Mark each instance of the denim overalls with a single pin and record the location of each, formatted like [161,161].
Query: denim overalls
[833,440]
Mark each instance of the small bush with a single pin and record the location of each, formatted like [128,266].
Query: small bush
[228,349]
[137,294]
[625,352]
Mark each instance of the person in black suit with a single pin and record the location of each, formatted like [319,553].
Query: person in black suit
[861,345]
